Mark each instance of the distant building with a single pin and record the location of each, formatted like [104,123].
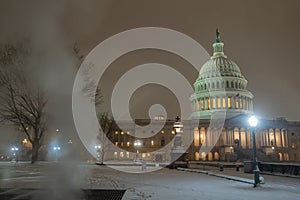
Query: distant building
[220,90]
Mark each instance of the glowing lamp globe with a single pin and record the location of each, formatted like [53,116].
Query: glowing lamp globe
[253,121]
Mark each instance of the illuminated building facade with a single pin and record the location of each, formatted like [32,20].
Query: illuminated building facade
[220,88]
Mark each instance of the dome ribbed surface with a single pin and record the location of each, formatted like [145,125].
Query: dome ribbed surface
[220,66]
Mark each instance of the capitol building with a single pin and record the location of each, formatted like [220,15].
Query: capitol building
[220,91]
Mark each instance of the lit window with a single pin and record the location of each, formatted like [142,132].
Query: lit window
[196,138]
[224,102]
[116,132]
[122,133]
[197,157]
[173,132]
[162,132]
[128,133]
[128,144]
[25,141]
[152,142]
[236,102]
[127,154]
[213,103]
[229,102]
[241,103]
[159,117]
[116,143]
[121,154]
[219,102]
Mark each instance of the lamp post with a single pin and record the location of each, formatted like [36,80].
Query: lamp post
[253,123]
[178,125]
[137,144]
[178,152]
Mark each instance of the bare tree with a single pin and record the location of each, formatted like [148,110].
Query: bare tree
[20,104]
[90,88]
[107,124]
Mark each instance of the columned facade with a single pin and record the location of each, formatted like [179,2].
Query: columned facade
[220,87]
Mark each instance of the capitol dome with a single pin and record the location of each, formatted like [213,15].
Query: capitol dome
[220,66]
[220,86]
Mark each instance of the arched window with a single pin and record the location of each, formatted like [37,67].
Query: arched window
[218,102]
[232,85]
[229,102]
[214,103]
[223,102]
[236,85]
[216,156]
[203,156]
[213,85]
[205,86]
[218,85]
[197,156]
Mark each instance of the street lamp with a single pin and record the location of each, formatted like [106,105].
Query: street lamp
[15,153]
[137,144]
[98,147]
[178,126]
[56,150]
[253,123]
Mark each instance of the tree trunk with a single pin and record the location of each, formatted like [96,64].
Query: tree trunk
[35,151]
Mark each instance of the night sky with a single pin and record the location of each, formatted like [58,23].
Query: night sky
[262,37]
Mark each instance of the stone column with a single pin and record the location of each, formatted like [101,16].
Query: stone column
[286,139]
[274,132]
[264,138]
[227,136]
[246,137]
[205,130]
[280,135]
[240,138]
[268,136]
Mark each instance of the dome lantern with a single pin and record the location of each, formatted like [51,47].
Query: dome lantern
[218,46]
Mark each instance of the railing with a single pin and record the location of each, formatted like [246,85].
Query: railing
[283,168]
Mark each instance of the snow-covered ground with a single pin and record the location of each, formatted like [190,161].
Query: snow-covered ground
[65,178]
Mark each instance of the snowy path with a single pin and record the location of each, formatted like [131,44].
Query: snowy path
[162,184]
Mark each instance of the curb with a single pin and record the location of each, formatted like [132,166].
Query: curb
[278,174]
[233,178]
